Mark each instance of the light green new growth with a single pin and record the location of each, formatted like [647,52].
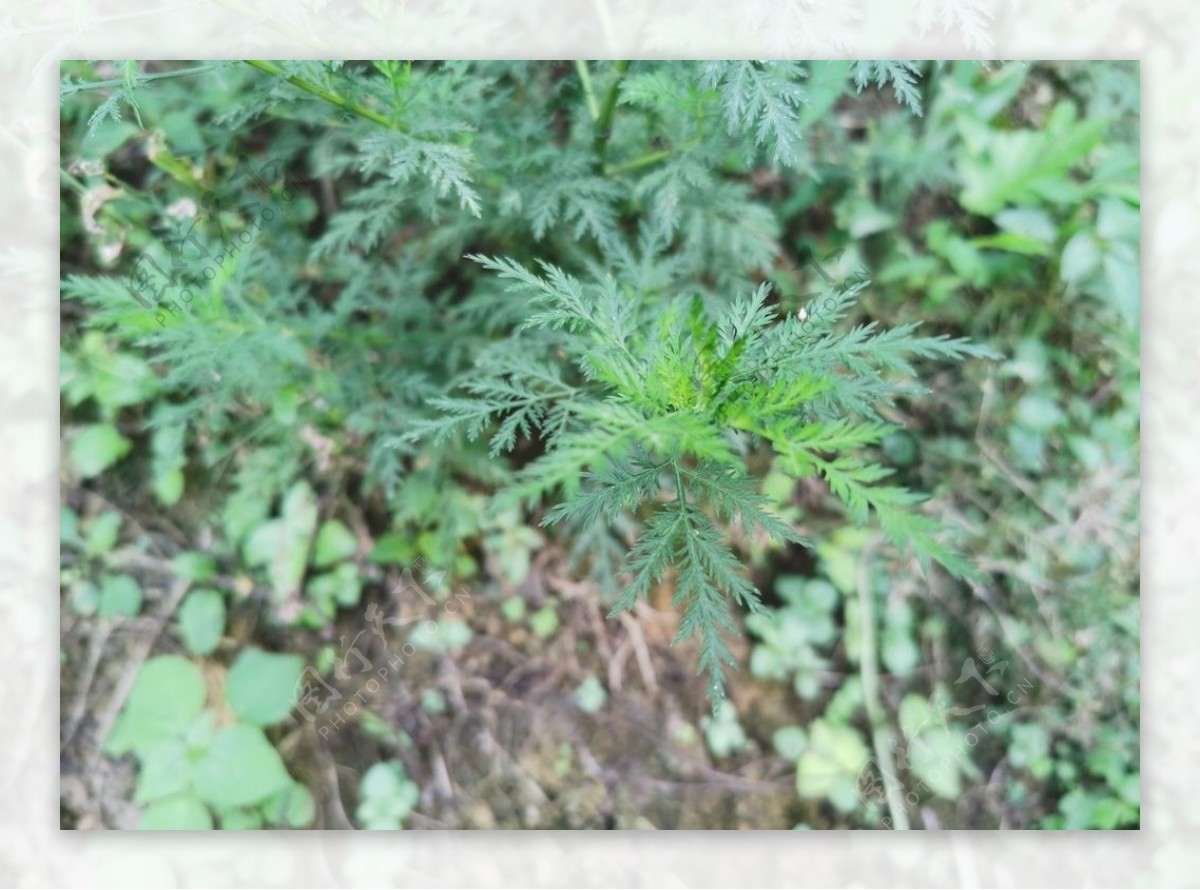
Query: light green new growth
[663,407]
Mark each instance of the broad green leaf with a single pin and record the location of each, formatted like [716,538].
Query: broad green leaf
[201,732]
[1123,286]
[1013,243]
[119,380]
[940,758]
[282,544]
[1039,412]
[840,555]
[241,820]
[68,527]
[1028,166]
[241,515]
[816,774]
[180,813]
[97,447]
[168,486]
[899,651]
[544,621]
[194,566]
[1118,221]
[1028,222]
[830,764]
[386,797]
[901,448]
[202,621]
[590,695]
[1130,788]
[106,137]
[846,702]
[393,548]
[263,543]
[102,533]
[1028,744]
[240,769]
[433,701]
[167,696]
[822,595]
[450,633]
[1028,447]
[294,807]
[724,732]
[914,714]
[1080,258]
[261,684]
[862,218]
[334,543]
[85,597]
[183,134]
[513,609]
[342,586]
[1030,361]
[1110,813]
[164,769]
[1077,806]
[789,742]
[120,597]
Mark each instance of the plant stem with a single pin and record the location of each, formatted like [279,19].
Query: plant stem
[605,117]
[589,92]
[120,81]
[881,733]
[72,181]
[331,97]
[637,163]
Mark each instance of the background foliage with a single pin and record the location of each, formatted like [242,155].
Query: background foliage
[298,417]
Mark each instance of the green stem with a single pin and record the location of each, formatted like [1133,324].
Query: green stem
[120,81]
[637,163]
[327,95]
[589,92]
[881,733]
[605,117]
[72,181]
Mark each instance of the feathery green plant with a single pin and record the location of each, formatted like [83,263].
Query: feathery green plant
[621,327]
[663,403]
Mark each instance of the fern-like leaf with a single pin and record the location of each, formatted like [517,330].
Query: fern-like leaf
[901,75]
[763,98]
